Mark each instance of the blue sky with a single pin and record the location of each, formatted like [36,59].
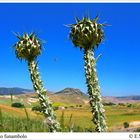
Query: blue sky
[61,65]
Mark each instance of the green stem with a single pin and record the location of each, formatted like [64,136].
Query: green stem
[43,99]
[94,91]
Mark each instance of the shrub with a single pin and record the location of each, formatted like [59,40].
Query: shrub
[130,105]
[78,105]
[109,104]
[137,130]
[17,104]
[126,124]
[121,104]
[36,108]
[71,106]
[55,108]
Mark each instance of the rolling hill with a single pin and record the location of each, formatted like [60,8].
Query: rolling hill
[67,96]
[70,91]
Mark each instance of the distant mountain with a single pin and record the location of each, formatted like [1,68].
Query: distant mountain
[69,91]
[69,96]
[123,99]
[136,97]
[14,91]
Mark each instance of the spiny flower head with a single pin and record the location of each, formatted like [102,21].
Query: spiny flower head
[28,47]
[86,33]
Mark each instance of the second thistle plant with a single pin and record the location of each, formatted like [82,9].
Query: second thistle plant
[29,47]
[88,34]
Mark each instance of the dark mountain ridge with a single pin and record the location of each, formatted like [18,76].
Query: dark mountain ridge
[132,97]
[14,91]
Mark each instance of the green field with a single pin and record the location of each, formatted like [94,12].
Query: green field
[74,119]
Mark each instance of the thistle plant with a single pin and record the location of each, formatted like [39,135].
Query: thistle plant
[88,34]
[28,48]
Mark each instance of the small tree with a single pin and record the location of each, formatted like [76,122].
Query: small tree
[17,104]
[126,124]
[36,108]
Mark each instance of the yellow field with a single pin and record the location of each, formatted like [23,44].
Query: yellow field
[116,116]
